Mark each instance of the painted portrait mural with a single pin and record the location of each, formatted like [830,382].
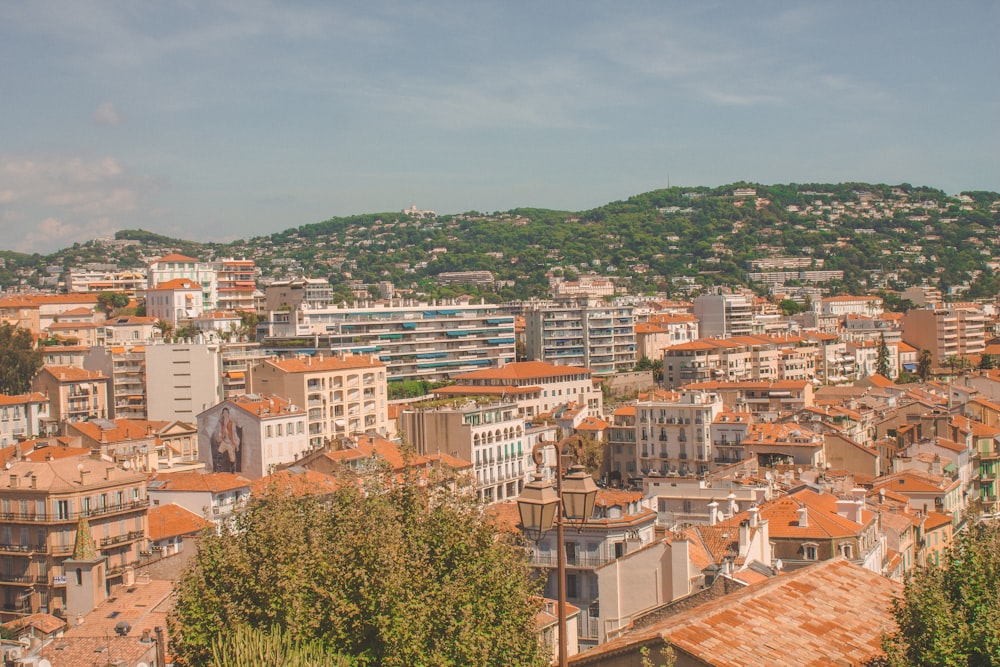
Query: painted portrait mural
[226,442]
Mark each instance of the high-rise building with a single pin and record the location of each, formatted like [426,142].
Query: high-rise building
[581,331]
[949,333]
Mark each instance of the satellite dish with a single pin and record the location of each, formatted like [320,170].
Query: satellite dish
[44,662]
[25,641]
[80,467]
[8,465]
[127,465]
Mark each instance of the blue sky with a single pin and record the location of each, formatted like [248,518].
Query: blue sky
[219,120]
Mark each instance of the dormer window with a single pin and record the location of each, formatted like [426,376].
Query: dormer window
[810,551]
[615,512]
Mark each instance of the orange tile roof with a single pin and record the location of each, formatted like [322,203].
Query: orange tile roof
[21,399]
[523,370]
[212,482]
[592,424]
[174,257]
[812,616]
[266,406]
[318,365]
[73,374]
[124,430]
[172,520]
[647,328]
[821,516]
[178,284]
[294,483]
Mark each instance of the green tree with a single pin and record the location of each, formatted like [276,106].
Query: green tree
[988,362]
[882,366]
[924,365]
[948,614]
[111,301]
[385,574]
[19,360]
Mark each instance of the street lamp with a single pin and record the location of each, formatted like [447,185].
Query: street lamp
[539,506]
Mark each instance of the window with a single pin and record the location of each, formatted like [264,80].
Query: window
[572,586]
[847,550]
[269,431]
[810,552]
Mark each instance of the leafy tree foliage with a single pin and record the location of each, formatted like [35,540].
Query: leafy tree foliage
[19,360]
[924,365]
[948,615]
[882,365]
[111,301]
[390,575]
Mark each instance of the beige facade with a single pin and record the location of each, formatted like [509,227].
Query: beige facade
[43,503]
[74,394]
[343,395]
[946,332]
[673,433]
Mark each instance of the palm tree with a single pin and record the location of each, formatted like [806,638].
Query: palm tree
[164,327]
[924,364]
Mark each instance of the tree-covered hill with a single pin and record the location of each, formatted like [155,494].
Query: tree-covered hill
[879,235]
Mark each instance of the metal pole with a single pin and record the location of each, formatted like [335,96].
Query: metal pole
[561,561]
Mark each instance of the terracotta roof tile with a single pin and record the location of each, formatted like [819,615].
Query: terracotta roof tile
[172,520]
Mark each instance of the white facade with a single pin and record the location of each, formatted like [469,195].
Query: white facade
[175,301]
[673,433]
[182,380]
[173,267]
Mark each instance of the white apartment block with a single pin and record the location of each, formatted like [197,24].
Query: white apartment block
[722,315]
[131,281]
[22,417]
[182,380]
[492,435]
[415,341]
[254,436]
[343,395]
[536,387]
[850,305]
[236,281]
[174,266]
[582,332]
[175,301]
[673,433]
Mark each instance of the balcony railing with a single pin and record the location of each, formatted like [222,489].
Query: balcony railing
[46,517]
[586,561]
[22,548]
[120,539]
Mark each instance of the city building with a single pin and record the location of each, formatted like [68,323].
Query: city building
[583,332]
[74,394]
[673,432]
[182,380]
[491,434]
[45,503]
[126,368]
[174,266]
[175,301]
[721,315]
[415,341]
[236,281]
[213,495]
[949,333]
[536,386]
[23,417]
[343,395]
[251,435]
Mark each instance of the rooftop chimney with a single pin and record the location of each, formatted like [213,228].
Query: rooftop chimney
[803,517]
[754,515]
[13,481]
[744,537]
[713,512]
[84,476]
[732,504]
[34,481]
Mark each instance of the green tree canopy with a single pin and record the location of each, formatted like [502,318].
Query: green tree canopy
[948,615]
[19,360]
[383,575]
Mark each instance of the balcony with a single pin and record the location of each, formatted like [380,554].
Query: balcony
[130,536]
[22,548]
[579,560]
[63,517]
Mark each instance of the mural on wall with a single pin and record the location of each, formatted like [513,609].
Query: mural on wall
[227,443]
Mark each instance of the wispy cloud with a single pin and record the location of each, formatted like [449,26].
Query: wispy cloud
[107,115]
[48,202]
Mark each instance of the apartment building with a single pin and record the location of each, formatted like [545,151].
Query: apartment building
[491,434]
[954,332]
[620,526]
[74,394]
[621,462]
[24,416]
[673,432]
[721,315]
[236,284]
[583,332]
[840,306]
[766,400]
[126,368]
[37,312]
[343,395]
[251,435]
[216,496]
[415,341]
[44,504]
[130,281]
[174,266]
[292,294]
[140,445]
[536,386]
[182,380]
[175,301]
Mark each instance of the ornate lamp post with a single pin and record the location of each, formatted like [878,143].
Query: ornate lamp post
[539,505]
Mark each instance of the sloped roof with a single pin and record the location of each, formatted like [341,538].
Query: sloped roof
[212,482]
[523,370]
[812,616]
[317,364]
[174,257]
[172,520]
[294,482]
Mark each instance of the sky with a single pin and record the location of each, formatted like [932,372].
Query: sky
[212,121]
